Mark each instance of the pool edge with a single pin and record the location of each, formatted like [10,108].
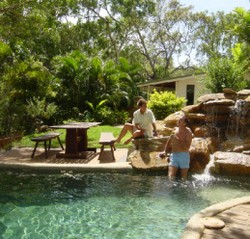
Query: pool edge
[194,228]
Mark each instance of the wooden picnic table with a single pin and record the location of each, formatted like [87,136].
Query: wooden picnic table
[76,144]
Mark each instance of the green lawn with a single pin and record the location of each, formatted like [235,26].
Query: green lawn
[93,137]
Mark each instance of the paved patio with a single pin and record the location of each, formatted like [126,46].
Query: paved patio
[21,158]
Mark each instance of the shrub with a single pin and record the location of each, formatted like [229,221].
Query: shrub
[224,73]
[165,103]
[110,117]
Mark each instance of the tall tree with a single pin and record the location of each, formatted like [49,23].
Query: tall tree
[161,38]
[115,19]
[214,38]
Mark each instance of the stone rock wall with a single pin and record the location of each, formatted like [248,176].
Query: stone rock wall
[219,122]
[221,116]
[231,164]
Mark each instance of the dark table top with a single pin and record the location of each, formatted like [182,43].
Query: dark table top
[75,125]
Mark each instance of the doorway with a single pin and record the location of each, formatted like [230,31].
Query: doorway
[190,94]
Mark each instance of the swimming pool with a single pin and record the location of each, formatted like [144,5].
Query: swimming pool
[106,205]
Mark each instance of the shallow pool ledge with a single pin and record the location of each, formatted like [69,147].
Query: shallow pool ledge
[194,228]
[105,167]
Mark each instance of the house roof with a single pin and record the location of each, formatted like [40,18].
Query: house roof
[171,80]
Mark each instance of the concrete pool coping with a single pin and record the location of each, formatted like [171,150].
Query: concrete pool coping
[20,158]
[195,226]
[121,167]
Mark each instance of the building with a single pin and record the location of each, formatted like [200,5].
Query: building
[189,87]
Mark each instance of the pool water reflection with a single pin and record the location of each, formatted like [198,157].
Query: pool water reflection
[107,205]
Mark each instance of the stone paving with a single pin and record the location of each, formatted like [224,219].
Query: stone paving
[235,215]
[21,158]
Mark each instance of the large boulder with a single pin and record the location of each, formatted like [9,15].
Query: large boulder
[209,97]
[230,93]
[231,164]
[145,156]
[146,160]
[171,120]
[243,94]
[199,155]
[235,144]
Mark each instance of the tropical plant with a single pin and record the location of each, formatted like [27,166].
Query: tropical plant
[71,78]
[165,103]
[39,111]
[93,114]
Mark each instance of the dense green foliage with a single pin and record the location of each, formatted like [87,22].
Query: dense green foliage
[241,50]
[82,59]
[229,70]
[165,103]
[223,73]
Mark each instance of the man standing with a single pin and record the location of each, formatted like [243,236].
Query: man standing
[178,144]
[143,124]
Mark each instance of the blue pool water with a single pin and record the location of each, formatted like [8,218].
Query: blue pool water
[106,206]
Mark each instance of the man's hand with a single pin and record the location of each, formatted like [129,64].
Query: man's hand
[162,155]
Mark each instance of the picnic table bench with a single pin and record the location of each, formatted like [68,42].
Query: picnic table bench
[44,138]
[107,138]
